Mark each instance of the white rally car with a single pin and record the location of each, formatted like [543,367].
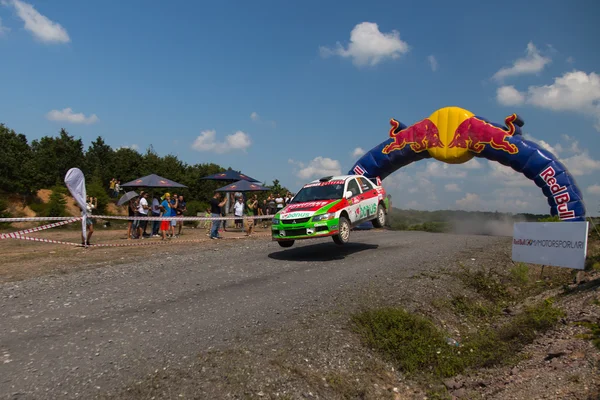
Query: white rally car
[330,206]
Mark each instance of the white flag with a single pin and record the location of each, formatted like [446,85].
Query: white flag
[75,181]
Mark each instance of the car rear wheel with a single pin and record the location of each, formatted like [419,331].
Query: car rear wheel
[379,222]
[343,236]
[286,243]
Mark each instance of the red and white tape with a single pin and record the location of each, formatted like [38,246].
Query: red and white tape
[138,218]
[27,219]
[16,235]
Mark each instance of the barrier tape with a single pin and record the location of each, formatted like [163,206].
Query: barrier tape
[137,218]
[27,219]
[143,242]
[16,235]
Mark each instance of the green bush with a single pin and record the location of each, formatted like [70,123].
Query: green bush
[194,207]
[551,218]
[95,189]
[56,206]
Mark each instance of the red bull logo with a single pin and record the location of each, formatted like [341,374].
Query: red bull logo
[475,134]
[421,136]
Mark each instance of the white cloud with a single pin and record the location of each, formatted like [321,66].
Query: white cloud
[132,147]
[442,170]
[358,152]
[254,116]
[207,142]
[581,164]
[532,63]
[451,187]
[432,62]
[594,189]
[3,28]
[67,115]
[575,91]
[509,96]
[473,163]
[545,145]
[506,176]
[369,46]
[39,25]
[318,167]
[471,201]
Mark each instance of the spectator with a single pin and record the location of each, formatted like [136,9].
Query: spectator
[252,204]
[131,208]
[155,213]
[143,212]
[165,208]
[111,187]
[271,203]
[215,213]
[136,213]
[91,205]
[174,205]
[207,223]
[238,211]
[117,188]
[264,210]
[280,202]
[181,208]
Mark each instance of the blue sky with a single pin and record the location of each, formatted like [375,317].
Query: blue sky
[293,91]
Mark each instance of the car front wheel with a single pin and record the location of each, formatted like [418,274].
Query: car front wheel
[343,236]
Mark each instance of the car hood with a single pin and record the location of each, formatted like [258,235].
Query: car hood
[307,209]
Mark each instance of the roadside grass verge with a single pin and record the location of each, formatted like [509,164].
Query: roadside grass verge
[418,348]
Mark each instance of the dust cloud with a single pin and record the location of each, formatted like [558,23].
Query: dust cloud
[484,226]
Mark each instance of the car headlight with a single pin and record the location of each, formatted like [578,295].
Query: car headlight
[323,217]
[275,221]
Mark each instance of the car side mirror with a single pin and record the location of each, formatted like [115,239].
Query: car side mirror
[348,194]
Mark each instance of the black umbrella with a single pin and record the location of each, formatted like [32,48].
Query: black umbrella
[230,175]
[126,197]
[153,181]
[243,186]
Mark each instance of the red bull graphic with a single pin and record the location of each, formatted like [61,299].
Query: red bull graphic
[454,135]
[420,136]
[474,134]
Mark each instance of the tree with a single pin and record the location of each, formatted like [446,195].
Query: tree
[53,157]
[57,203]
[99,160]
[127,164]
[15,156]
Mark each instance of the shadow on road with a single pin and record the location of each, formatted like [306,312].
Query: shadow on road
[321,252]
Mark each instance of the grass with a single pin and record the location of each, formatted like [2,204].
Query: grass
[487,283]
[594,332]
[418,347]
[473,309]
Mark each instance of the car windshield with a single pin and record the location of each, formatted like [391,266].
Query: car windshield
[319,191]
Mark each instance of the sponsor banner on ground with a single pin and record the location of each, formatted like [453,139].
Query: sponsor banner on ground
[551,243]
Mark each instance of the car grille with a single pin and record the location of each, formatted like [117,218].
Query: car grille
[295,232]
[294,221]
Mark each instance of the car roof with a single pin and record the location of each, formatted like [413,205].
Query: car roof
[335,178]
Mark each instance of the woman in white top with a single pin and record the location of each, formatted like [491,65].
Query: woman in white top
[238,211]
[279,201]
[92,204]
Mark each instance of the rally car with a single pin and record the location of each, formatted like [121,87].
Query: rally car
[330,206]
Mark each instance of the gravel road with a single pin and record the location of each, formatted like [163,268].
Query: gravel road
[83,333]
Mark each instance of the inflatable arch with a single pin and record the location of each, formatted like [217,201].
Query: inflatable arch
[454,135]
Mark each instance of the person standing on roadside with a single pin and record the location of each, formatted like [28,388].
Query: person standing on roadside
[181,208]
[174,205]
[165,208]
[143,212]
[252,204]
[90,206]
[215,212]
[155,213]
[280,202]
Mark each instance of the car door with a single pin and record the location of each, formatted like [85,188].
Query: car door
[354,201]
[369,199]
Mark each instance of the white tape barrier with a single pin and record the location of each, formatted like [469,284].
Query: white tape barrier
[17,235]
[136,218]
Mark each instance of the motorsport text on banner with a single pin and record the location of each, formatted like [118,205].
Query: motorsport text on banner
[561,244]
